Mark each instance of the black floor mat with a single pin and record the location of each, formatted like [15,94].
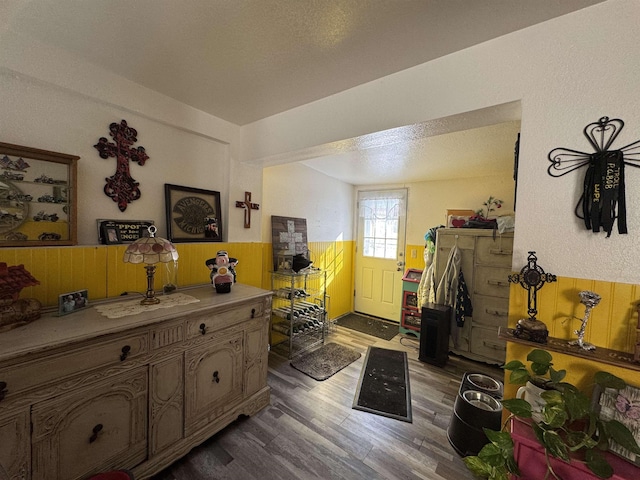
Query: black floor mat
[369,325]
[383,388]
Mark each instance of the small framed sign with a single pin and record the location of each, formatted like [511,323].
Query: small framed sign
[73,301]
[122,231]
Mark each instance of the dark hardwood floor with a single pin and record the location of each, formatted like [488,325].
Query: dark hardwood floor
[310,431]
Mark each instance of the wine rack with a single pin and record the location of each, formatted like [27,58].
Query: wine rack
[298,314]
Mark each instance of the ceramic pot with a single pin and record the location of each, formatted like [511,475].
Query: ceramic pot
[532,393]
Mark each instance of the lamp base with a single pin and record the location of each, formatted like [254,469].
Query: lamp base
[150,301]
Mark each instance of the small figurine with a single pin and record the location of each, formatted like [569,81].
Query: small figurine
[223,273]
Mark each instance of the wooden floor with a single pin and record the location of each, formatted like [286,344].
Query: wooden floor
[310,430]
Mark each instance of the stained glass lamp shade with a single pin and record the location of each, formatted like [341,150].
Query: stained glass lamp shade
[151,250]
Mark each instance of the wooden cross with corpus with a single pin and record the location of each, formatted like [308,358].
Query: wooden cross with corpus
[248,206]
[121,187]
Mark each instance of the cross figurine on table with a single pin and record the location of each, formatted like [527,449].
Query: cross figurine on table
[121,187]
[532,278]
[248,206]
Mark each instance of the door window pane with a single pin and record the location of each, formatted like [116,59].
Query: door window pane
[380,227]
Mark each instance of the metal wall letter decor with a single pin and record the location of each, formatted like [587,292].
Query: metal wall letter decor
[248,206]
[121,187]
[603,195]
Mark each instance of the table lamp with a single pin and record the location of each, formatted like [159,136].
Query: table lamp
[151,250]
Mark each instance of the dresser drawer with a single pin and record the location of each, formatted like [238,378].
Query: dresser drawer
[204,324]
[56,367]
[485,342]
[496,252]
[492,281]
[490,311]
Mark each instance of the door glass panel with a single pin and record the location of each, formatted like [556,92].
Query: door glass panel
[380,226]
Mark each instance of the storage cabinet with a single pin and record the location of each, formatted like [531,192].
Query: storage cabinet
[486,265]
[410,316]
[299,311]
[37,197]
[84,393]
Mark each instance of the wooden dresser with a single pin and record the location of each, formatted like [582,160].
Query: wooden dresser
[486,265]
[84,393]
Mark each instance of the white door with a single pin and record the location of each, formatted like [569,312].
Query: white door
[379,263]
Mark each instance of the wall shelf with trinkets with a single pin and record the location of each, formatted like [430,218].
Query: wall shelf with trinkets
[38,205]
[600,354]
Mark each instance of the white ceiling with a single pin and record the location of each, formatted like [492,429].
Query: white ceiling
[243,60]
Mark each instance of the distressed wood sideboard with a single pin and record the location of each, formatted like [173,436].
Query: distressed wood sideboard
[83,393]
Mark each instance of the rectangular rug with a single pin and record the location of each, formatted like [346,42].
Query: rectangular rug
[383,387]
[325,361]
[369,325]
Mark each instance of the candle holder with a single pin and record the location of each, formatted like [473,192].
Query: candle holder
[589,300]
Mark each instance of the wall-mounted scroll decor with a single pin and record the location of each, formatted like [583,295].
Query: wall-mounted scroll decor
[121,187]
[603,195]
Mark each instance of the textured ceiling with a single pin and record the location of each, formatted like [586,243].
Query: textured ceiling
[243,60]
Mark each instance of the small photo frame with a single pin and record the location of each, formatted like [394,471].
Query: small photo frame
[73,301]
[111,234]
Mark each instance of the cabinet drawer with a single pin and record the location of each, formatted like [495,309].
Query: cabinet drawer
[447,240]
[95,429]
[496,252]
[204,324]
[56,367]
[485,342]
[490,311]
[492,281]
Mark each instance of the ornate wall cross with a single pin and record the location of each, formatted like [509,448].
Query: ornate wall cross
[248,206]
[603,196]
[532,278]
[121,187]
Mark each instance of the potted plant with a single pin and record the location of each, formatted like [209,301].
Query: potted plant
[567,427]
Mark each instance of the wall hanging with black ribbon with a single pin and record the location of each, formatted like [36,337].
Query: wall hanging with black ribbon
[603,196]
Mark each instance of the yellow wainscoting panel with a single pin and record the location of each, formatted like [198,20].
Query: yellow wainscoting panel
[418,262]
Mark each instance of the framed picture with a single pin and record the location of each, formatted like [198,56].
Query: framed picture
[110,234]
[73,301]
[624,406]
[193,214]
[128,231]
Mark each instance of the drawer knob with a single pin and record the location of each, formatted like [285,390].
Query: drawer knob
[203,328]
[125,352]
[96,430]
[496,313]
[215,377]
[3,390]
[253,312]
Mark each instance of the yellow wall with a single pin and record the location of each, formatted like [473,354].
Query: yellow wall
[418,262]
[100,269]
[612,324]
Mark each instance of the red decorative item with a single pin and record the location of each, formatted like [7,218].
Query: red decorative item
[121,187]
[13,311]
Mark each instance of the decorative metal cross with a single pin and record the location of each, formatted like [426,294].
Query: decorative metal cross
[248,206]
[121,187]
[532,278]
[603,196]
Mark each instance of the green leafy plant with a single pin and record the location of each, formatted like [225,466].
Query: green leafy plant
[491,204]
[569,427]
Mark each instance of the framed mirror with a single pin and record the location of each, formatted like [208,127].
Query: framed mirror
[37,197]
